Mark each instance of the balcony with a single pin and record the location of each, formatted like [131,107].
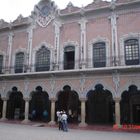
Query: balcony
[110,64]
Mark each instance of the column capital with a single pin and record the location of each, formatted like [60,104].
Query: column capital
[117,99]
[27,99]
[53,99]
[82,99]
[4,98]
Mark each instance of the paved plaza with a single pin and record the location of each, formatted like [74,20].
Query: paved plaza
[28,132]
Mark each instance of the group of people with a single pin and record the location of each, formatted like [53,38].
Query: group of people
[62,120]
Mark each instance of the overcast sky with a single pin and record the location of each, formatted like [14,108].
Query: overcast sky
[11,9]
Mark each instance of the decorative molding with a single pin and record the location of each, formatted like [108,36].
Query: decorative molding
[77,48]
[90,50]
[122,40]
[49,47]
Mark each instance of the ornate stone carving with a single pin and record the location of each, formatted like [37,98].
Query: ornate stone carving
[44,11]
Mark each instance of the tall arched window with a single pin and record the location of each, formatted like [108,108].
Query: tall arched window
[42,59]
[69,57]
[1,63]
[99,55]
[19,62]
[132,55]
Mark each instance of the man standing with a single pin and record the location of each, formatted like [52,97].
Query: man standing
[64,121]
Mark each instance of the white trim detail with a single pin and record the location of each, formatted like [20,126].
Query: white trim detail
[122,40]
[90,50]
[4,60]
[49,47]
[70,43]
[14,57]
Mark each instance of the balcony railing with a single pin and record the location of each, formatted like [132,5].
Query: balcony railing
[71,65]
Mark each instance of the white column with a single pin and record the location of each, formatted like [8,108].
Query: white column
[115,53]
[29,49]
[56,60]
[83,52]
[9,52]
[117,111]
[52,122]
[4,109]
[26,119]
[83,113]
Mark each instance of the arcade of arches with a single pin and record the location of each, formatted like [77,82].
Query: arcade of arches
[99,107]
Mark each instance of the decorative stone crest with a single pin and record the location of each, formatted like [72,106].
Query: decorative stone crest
[45,11]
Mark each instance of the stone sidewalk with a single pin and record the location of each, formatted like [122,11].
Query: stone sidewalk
[32,132]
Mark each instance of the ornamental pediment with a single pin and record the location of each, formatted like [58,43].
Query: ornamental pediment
[45,11]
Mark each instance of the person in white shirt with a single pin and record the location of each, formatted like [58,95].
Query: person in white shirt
[64,121]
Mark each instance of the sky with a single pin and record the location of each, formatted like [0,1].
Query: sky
[11,9]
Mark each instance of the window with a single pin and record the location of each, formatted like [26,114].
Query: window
[99,55]
[131,52]
[19,62]
[1,63]
[69,57]
[42,59]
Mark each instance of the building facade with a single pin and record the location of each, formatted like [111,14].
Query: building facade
[85,61]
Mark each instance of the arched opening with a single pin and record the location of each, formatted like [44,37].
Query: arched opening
[40,105]
[68,100]
[100,106]
[69,57]
[1,105]
[130,106]
[15,105]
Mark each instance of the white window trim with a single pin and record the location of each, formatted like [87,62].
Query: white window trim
[4,60]
[22,50]
[77,57]
[90,51]
[50,48]
[122,40]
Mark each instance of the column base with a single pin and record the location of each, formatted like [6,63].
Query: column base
[82,124]
[3,119]
[52,123]
[26,121]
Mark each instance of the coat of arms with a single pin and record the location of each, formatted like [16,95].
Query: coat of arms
[45,12]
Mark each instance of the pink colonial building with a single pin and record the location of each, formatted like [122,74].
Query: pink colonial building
[85,61]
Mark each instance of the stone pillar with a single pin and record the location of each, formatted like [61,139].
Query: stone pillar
[117,111]
[83,43]
[83,113]
[29,49]
[9,53]
[4,109]
[56,60]
[26,118]
[52,122]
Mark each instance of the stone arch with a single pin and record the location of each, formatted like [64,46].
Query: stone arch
[8,89]
[60,88]
[105,85]
[49,47]
[90,49]
[15,104]
[99,105]
[70,43]
[39,105]
[127,84]
[130,105]
[68,100]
